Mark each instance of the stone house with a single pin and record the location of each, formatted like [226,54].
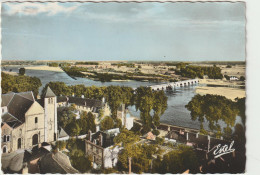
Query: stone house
[27,121]
[100,147]
[85,104]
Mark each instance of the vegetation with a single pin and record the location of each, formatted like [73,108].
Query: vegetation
[74,71]
[22,71]
[228,66]
[242,78]
[199,71]
[53,64]
[12,83]
[74,127]
[127,139]
[106,123]
[87,63]
[123,64]
[214,108]
[76,154]
[147,100]
[227,77]
[144,99]
[177,161]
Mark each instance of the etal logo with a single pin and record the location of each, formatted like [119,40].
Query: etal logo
[221,150]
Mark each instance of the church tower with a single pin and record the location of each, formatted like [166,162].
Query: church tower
[50,114]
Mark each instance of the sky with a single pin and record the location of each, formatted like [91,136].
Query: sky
[181,31]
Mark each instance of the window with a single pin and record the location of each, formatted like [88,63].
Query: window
[36,120]
[8,138]
[4,138]
[4,150]
[49,101]
[19,143]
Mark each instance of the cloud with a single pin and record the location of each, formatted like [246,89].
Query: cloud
[32,9]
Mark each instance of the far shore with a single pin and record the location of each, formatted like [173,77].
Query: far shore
[230,93]
[46,68]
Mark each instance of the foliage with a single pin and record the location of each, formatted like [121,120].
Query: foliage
[13,83]
[22,71]
[127,140]
[106,123]
[228,66]
[177,161]
[67,120]
[53,64]
[227,77]
[242,78]
[199,71]
[147,100]
[214,108]
[77,154]
[87,63]
[159,140]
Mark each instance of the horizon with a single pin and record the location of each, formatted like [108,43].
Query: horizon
[148,31]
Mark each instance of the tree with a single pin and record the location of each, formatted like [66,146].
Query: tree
[242,78]
[13,83]
[127,140]
[145,101]
[22,71]
[213,108]
[180,160]
[107,123]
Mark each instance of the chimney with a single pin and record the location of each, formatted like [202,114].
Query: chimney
[187,136]
[89,135]
[100,138]
[97,128]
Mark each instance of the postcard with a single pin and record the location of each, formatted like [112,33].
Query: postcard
[123,87]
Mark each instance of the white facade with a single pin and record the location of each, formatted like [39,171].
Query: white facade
[111,156]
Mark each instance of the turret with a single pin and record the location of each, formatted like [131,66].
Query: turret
[50,122]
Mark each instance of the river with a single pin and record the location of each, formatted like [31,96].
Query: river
[175,114]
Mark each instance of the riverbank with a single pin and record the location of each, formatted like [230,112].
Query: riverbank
[230,93]
[10,73]
[45,68]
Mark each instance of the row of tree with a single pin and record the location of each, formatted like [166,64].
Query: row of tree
[139,158]
[216,108]
[199,71]
[20,83]
[144,99]
[74,127]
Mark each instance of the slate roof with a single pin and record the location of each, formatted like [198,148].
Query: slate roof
[49,93]
[6,98]
[10,120]
[62,99]
[19,106]
[56,163]
[62,133]
[13,161]
[107,139]
[85,102]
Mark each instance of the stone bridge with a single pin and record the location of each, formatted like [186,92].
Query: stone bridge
[171,86]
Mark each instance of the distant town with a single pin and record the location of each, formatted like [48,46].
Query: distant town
[123,117]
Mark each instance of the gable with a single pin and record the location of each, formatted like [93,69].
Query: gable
[35,108]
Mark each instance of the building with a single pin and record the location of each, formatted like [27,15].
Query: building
[85,104]
[100,147]
[233,78]
[56,163]
[27,121]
